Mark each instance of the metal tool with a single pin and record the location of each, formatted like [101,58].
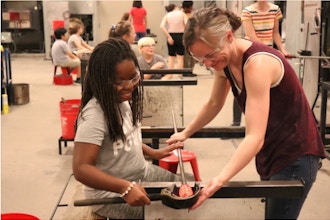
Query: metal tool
[168,195]
[183,178]
[185,190]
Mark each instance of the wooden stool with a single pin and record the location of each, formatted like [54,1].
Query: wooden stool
[64,79]
[171,162]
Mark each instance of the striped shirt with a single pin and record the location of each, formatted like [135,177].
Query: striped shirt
[263,22]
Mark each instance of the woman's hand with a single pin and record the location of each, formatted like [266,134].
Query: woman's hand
[158,65]
[167,151]
[180,136]
[209,189]
[137,196]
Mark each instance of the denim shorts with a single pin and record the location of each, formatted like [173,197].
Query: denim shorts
[304,168]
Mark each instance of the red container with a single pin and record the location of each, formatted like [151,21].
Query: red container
[58,24]
[63,79]
[14,16]
[18,216]
[65,71]
[69,111]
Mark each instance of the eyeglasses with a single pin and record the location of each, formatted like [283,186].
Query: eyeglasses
[149,45]
[208,57]
[133,81]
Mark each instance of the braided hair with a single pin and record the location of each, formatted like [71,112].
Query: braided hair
[99,82]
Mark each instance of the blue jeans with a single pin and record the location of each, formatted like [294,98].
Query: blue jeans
[304,168]
[139,35]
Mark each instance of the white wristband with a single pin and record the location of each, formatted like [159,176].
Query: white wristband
[129,188]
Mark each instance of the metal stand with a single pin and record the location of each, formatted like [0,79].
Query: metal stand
[58,204]
[65,140]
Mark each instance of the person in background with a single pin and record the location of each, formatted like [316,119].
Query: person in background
[261,23]
[281,132]
[150,60]
[138,17]
[125,16]
[108,155]
[187,8]
[173,26]
[62,55]
[125,30]
[76,43]
[189,62]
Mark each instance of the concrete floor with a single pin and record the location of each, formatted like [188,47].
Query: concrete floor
[33,174]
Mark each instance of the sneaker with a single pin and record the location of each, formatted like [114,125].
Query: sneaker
[78,80]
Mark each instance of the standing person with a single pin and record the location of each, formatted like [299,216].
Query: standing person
[173,27]
[108,156]
[76,43]
[62,55]
[189,62]
[261,23]
[138,17]
[187,8]
[281,132]
[149,60]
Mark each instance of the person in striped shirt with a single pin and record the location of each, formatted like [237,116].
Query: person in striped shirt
[261,23]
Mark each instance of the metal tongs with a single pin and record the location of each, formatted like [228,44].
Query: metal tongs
[183,178]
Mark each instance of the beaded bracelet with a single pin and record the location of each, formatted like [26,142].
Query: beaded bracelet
[129,188]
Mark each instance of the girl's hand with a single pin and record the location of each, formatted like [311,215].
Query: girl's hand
[168,150]
[137,196]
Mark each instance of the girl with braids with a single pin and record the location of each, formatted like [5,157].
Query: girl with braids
[281,132]
[108,155]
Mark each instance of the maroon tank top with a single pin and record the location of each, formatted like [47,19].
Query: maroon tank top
[291,129]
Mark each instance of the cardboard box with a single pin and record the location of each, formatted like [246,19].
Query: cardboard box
[25,24]
[24,15]
[5,16]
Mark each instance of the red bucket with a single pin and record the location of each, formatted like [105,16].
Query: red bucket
[69,111]
[18,216]
[58,24]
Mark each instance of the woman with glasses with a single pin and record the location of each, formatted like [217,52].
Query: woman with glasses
[108,155]
[281,132]
[149,60]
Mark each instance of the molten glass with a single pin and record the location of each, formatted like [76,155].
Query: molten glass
[185,191]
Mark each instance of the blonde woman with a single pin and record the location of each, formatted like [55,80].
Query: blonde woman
[150,60]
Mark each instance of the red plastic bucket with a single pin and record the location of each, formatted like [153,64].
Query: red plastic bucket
[58,24]
[18,216]
[69,110]
[63,80]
